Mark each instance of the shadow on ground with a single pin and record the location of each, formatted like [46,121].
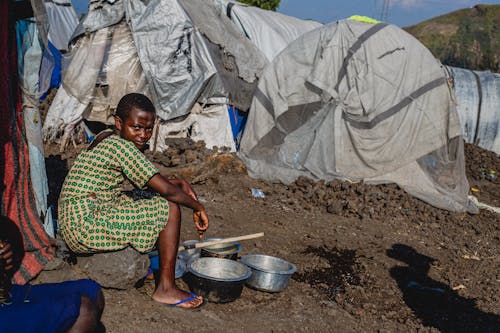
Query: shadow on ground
[434,302]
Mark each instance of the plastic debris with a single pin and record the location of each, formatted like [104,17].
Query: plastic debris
[488,174]
[258,193]
[459,287]
[481,205]
[471,257]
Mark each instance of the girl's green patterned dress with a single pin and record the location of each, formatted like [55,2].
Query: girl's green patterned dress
[94,215]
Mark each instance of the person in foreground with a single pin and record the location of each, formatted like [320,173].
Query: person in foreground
[71,306]
[95,215]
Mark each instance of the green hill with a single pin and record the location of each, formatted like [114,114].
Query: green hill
[467,38]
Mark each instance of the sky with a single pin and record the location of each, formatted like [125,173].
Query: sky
[401,12]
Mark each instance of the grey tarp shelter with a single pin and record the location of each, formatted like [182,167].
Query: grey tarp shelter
[358,102]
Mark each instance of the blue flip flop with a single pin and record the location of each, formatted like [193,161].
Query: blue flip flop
[185,300]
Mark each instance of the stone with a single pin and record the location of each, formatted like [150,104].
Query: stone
[335,207]
[119,269]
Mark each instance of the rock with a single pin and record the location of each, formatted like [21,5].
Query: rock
[64,272]
[335,207]
[118,270]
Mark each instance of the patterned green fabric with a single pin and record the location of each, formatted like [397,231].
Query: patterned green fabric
[94,215]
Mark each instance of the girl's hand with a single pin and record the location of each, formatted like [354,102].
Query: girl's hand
[200,219]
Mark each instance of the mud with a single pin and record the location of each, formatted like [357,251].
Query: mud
[369,258]
[342,270]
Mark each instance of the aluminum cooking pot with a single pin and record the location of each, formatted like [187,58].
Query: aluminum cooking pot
[217,280]
[269,273]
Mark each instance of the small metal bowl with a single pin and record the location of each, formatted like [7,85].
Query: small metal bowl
[217,280]
[269,273]
[189,255]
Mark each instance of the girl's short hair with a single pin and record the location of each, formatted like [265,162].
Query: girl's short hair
[133,100]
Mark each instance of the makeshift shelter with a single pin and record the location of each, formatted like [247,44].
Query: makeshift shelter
[364,102]
[178,52]
[61,20]
[478,100]
[17,201]
[39,65]
[270,31]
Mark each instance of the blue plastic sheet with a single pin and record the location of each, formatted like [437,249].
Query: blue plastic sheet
[238,120]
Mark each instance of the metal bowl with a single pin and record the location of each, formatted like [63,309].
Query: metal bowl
[225,250]
[189,255]
[216,279]
[269,273]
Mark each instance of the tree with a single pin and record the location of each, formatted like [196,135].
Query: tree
[264,4]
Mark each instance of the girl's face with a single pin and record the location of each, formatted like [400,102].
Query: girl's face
[137,127]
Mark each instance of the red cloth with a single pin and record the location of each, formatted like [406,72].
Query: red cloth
[17,201]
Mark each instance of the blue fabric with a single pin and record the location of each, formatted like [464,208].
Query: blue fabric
[52,58]
[154,263]
[55,80]
[45,308]
[238,121]
[23,38]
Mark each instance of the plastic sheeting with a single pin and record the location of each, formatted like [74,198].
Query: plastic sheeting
[238,62]
[62,22]
[172,53]
[25,32]
[211,125]
[271,32]
[50,70]
[56,21]
[188,52]
[183,58]
[121,73]
[363,102]
[101,14]
[29,60]
[104,67]
[478,106]
[17,193]
[38,173]
[77,90]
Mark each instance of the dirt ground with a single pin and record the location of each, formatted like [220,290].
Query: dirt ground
[369,258]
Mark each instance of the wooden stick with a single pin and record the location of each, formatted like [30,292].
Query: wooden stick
[221,241]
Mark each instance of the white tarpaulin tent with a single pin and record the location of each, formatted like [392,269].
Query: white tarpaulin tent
[362,102]
[271,32]
[178,52]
